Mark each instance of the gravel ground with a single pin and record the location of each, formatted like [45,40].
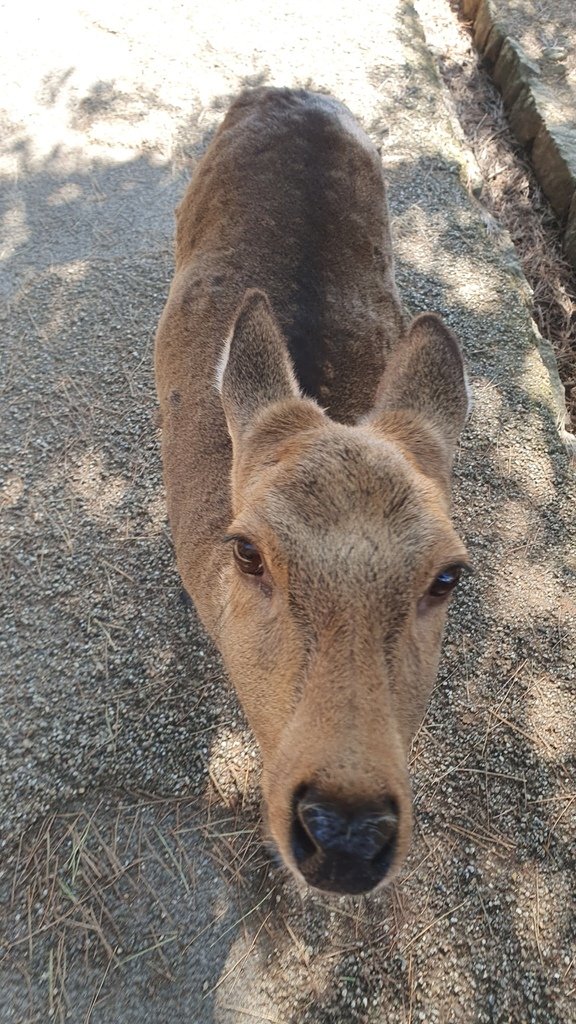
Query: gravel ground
[133,880]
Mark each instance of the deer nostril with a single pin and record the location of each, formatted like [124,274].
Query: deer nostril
[330,838]
[360,833]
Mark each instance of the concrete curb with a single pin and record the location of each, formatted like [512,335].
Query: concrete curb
[532,105]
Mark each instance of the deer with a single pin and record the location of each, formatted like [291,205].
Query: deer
[308,435]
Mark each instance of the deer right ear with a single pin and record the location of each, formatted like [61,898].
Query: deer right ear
[254,369]
[424,398]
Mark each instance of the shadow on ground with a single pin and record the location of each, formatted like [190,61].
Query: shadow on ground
[137,880]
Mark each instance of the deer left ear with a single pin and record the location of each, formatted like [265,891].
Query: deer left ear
[424,398]
[255,369]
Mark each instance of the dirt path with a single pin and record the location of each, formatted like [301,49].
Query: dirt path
[133,880]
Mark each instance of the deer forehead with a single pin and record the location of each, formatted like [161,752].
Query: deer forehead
[345,496]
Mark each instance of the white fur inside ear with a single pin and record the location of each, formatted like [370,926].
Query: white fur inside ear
[469,396]
[223,362]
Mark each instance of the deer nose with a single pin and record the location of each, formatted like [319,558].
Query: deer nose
[343,848]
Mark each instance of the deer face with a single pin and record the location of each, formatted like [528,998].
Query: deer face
[340,561]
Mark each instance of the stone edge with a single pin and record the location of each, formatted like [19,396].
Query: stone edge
[552,148]
[554,165]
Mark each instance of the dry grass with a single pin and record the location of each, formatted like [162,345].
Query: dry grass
[81,880]
[65,877]
[513,196]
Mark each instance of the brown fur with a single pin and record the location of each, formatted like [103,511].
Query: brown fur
[329,447]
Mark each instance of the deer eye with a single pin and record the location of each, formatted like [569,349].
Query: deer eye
[247,557]
[445,581]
